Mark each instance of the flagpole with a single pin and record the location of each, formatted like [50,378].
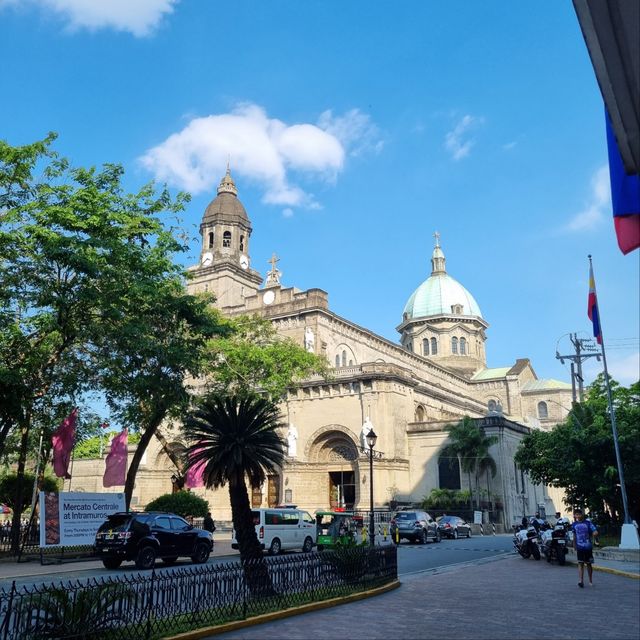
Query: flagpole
[35,482]
[612,413]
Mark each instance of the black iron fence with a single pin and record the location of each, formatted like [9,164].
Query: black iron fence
[177,600]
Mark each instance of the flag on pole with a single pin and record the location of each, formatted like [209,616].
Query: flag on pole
[62,443]
[625,197]
[195,472]
[116,462]
[592,306]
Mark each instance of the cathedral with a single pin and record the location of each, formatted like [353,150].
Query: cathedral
[406,391]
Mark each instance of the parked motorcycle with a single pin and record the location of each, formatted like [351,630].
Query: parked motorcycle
[525,541]
[554,542]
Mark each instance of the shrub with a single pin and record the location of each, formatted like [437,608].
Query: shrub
[183,503]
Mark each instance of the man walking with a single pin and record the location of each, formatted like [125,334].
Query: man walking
[583,533]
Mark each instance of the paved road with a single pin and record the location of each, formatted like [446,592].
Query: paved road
[416,558]
[411,558]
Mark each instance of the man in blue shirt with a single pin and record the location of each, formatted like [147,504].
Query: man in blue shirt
[583,533]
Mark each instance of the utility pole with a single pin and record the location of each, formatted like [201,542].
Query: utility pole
[584,349]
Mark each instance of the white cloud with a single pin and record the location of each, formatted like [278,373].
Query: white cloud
[263,150]
[458,141]
[139,17]
[598,202]
[354,129]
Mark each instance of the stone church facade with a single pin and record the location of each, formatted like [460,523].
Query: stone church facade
[406,391]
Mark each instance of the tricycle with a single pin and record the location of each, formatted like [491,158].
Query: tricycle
[336,529]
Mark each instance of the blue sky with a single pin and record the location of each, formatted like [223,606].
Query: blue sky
[356,130]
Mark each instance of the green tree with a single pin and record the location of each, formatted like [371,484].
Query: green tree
[184,503]
[9,482]
[90,297]
[469,444]
[236,436]
[578,454]
[147,364]
[252,356]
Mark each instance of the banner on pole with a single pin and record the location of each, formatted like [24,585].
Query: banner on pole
[70,519]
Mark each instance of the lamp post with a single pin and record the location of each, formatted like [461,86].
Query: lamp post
[371,438]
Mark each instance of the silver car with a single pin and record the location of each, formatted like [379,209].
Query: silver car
[415,526]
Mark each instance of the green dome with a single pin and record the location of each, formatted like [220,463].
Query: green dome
[437,295]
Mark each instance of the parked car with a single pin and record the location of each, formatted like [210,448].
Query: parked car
[454,527]
[279,529]
[143,537]
[415,526]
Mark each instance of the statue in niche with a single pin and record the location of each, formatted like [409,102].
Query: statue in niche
[367,427]
[309,340]
[292,441]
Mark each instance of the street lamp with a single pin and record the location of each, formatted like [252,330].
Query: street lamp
[371,438]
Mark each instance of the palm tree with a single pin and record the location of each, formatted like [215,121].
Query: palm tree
[236,436]
[76,613]
[471,446]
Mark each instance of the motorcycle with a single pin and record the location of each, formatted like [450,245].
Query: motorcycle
[525,541]
[554,542]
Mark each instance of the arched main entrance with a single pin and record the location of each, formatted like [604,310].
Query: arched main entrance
[336,452]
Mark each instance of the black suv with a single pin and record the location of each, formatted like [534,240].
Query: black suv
[143,537]
[415,525]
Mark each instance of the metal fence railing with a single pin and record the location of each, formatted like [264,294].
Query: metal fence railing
[167,602]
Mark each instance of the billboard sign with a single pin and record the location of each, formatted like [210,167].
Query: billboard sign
[71,519]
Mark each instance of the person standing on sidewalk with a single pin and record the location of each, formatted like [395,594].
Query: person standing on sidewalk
[208,524]
[583,533]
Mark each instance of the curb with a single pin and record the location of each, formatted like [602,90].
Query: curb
[615,572]
[285,613]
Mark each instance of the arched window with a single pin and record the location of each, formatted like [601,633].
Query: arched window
[337,360]
[241,243]
[463,346]
[449,473]
[454,345]
[226,239]
[425,347]
[419,414]
[543,411]
[491,406]
[344,358]
[434,347]
[210,239]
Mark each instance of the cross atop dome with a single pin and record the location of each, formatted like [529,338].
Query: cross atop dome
[437,257]
[227,185]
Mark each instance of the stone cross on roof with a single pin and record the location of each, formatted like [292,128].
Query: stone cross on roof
[273,277]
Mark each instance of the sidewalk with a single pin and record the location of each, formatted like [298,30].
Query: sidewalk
[507,598]
[610,560]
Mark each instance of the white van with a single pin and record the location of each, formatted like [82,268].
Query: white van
[279,529]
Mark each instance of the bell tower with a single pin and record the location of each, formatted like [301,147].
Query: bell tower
[224,267]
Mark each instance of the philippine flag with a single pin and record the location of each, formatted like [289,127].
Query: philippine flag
[625,197]
[592,307]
